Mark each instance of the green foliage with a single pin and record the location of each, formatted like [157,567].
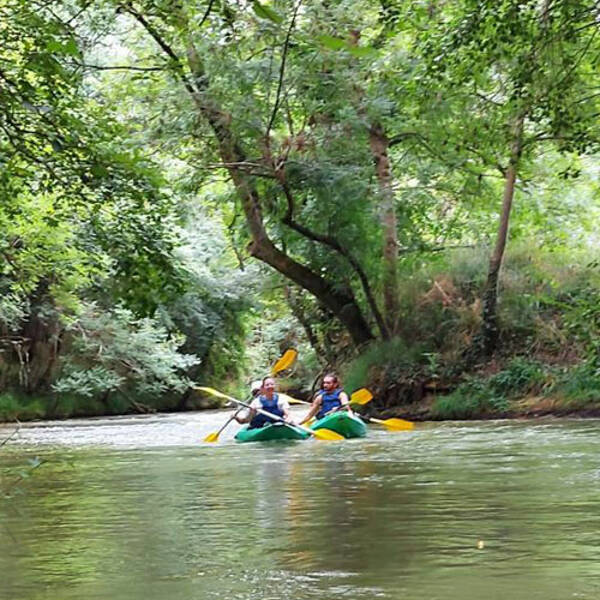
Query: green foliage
[580,386]
[17,406]
[480,397]
[473,400]
[582,315]
[116,201]
[114,353]
[395,359]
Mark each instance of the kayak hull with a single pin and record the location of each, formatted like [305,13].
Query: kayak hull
[343,423]
[269,433]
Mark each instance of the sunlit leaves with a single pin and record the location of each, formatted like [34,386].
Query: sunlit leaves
[264,11]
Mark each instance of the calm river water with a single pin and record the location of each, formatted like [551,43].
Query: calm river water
[137,508]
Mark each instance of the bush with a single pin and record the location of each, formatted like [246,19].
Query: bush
[14,406]
[132,358]
[483,397]
[580,387]
[474,398]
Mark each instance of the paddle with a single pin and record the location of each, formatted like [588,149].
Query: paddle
[214,436]
[363,396]
[392,424]
[286,361]
[321,434]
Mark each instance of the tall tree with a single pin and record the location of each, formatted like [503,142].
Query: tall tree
[525,72]
[178,36]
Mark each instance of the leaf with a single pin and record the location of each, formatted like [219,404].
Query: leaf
[264,12]
[361,51]
[71,47]
[53,45]
[333,43]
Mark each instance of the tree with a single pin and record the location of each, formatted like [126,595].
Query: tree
[524,71]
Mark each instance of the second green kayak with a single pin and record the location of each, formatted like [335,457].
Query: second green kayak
[343,423]
[276,431]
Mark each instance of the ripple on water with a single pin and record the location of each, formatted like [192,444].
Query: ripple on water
[139,508]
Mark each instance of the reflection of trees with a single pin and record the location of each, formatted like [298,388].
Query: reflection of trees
[9,484]
[344,515]
[245,520]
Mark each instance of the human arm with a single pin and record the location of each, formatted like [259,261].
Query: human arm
[314,409]
[249,416]
[345,402]
[250,413]
[284,406]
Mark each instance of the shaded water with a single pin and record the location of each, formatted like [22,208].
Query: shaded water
[136,508]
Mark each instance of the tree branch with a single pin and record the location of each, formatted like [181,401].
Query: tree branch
[334,244]
[282,70]
[117,67]
[165,47]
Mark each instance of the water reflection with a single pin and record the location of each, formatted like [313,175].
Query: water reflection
[389,516]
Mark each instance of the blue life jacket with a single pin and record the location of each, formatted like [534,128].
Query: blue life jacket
[271,406]
[329,402]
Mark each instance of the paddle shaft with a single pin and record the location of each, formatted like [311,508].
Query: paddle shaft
[235,414]
[385,423]
[274,417]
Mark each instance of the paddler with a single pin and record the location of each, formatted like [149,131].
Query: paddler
[268,400]
[331,398]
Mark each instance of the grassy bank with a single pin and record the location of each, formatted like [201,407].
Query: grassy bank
[18,406]
[549,349]
[548,361]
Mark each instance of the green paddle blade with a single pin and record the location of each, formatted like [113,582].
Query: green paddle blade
[211,437]
[285,362]
[328,435]
[362,396]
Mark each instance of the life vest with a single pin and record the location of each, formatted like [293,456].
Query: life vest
[271,406]
[329,402]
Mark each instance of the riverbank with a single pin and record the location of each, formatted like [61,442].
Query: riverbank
[530,407]
[16,406]
[432,407]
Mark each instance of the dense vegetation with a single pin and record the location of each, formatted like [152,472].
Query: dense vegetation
[406,190]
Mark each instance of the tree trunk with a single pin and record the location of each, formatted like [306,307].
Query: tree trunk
[342,304]
[301,317]
[379,147]
[489,329]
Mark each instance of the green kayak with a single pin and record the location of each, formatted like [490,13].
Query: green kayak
[341,422]
[276,431]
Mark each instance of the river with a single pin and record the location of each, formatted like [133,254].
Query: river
[138,508]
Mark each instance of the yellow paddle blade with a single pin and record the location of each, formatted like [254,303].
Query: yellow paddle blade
[362,396]
[214,392]
[328,435]
[399,424]
[285,362]
[292,400]
[211,437]
[395,424]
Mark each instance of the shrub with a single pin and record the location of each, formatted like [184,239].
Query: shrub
[134,357]
[480,397]
[473,398]
[14,406]
[580,386]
